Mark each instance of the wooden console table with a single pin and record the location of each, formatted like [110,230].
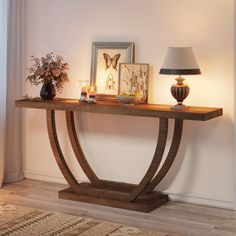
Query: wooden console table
[140,197]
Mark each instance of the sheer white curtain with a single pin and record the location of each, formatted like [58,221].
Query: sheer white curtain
[10,89]
[3,71]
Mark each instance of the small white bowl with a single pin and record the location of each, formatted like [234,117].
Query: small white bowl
[128,100]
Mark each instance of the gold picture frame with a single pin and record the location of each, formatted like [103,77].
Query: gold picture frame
[133,80]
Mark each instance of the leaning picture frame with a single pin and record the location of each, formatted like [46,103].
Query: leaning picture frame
[105,60]
[133,80]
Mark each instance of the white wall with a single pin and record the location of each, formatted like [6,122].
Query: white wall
[203,171]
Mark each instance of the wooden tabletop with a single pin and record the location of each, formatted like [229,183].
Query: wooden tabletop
[149,110]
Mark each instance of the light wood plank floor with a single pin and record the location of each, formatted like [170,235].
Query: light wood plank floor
[173,217]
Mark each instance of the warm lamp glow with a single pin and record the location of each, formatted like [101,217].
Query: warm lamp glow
[92,95]
[84,89]
[92,89]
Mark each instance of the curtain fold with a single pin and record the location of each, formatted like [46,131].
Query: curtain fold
[11,154]
[3,71]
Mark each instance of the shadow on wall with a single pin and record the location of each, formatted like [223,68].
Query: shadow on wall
[127,126]
[131,132]
[137,131]
[118,147]
[190,148]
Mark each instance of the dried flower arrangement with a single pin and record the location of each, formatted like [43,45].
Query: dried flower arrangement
[49,69]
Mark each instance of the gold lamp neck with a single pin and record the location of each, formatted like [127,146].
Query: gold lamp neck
[180,80]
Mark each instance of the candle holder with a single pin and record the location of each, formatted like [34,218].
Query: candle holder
[83,97]
[84,93]
[92,99]
[92,95]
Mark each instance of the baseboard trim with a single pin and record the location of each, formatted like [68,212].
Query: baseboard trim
[42,176]
[200,200]
[186,198]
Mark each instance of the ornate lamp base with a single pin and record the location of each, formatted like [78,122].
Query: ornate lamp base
[179,107]
[179,91]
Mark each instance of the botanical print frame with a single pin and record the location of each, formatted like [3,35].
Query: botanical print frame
[106,57]
[133,80]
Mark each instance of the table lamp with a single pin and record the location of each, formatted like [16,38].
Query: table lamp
[180,61]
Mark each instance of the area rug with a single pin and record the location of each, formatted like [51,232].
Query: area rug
[21,221]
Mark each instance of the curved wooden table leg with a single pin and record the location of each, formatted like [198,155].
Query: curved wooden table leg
[170,157]
[136,197]
[52,133]
[160,147]
[70,122]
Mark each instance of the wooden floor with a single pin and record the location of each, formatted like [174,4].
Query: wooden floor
[173,217]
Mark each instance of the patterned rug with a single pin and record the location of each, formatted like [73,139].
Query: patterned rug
[21,221]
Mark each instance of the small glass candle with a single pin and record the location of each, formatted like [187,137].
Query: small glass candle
[83,94]
[92,95]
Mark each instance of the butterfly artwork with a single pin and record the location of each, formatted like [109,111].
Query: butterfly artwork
[110,82]
[111,61]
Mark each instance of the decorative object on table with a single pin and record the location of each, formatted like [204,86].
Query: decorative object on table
[26,97]
[128,100]
[51,71]
[48,91]
[84,92]
[106,57]
[92,95]
[133,81]
[83,95]
[180,61]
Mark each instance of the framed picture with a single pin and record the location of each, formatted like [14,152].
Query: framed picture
[105,65]
[133,80]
